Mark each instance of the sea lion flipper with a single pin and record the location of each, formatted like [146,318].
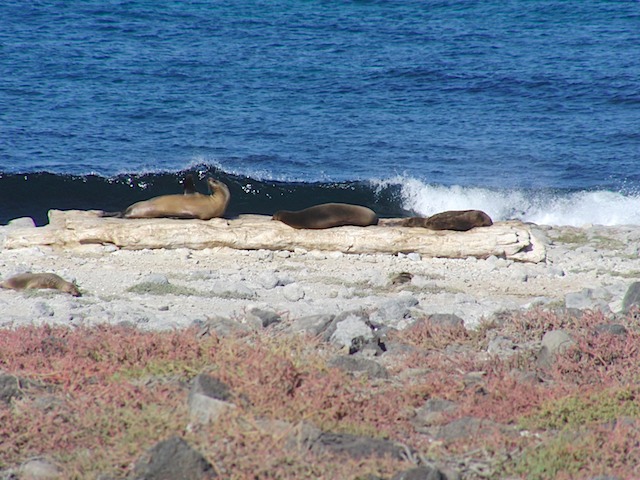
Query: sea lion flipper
[112,214]
[189,185]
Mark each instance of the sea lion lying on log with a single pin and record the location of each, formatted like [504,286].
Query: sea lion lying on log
[458,220]
[328,215]
[190,204]
[27,281]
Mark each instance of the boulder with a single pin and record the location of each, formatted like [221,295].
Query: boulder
[172,459]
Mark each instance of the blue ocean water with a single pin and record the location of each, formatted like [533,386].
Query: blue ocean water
[526,109]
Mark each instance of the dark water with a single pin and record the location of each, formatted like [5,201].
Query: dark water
[94,192]
[526,108]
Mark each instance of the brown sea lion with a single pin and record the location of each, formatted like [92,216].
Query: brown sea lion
[190,204]
[328,215]
[458,220]
[26,281]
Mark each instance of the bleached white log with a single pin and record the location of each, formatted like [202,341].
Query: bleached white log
[66,229]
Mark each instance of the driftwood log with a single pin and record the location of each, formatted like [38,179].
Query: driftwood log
[67,229]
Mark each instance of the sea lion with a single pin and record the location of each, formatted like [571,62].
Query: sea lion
[458,220]
[328,215]
[26,281]
[190,204]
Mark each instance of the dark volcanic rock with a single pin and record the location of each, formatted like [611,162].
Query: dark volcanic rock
[611,329]
[209,398]
[358,447]
[420,473]
[262,318]
[211,387]
[631,298]
[172,459]
[9,388]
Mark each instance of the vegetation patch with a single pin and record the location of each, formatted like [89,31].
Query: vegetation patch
[94,399]
[583,409]
[569,236]
[154,288]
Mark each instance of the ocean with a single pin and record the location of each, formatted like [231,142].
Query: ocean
[526,109]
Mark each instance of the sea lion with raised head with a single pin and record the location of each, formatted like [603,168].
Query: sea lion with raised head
[190,204]
[458,220]
[328,215]
[27,281]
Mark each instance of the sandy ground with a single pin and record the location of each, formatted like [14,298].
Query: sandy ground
[178,287]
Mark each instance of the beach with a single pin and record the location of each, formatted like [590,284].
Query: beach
[173,288]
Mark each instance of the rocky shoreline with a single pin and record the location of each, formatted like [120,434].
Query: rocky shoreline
[173,288]
[358,305]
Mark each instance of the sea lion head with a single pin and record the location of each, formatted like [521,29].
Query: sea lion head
[216,186]
[278,215]
[71,288]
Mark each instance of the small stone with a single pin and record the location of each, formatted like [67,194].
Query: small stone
[359,366]
[350,329]
[265,255]
[222,327]
[394,312]
[414,257]
[446,320]
[553,343]
[268,280]
[39,469]
[312,324]
[156,279]
[262,318]
[502,346]
[43,309]
[293,292]
[556,341]
[611,329]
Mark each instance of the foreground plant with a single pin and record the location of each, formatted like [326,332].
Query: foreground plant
[94,399]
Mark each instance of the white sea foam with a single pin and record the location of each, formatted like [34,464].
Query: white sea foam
[542,207]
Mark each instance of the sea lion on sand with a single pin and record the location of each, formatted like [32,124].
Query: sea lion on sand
[458,220]
[26,281]
[328,215]
[190,204]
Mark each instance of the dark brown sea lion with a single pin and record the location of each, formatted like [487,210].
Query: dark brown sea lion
[26,281]
[190,204]
[458,220]
[328,215]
